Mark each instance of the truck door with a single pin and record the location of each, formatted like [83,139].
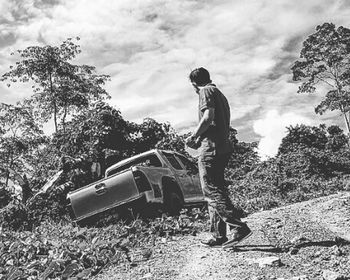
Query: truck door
[192,171]
[183,176]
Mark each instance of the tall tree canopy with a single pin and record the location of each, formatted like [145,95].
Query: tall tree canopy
[93,130]
[324,63]
[310,150]
[303,136]
[60,87]
[19,136]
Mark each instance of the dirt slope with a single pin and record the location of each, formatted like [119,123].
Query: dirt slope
[308,240]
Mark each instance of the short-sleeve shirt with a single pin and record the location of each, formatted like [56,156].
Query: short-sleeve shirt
[215,140]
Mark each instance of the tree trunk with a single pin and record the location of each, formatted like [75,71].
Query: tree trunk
[7,178]
[346,119]
[64,119]
[342,109]
[8,170]
[54,103]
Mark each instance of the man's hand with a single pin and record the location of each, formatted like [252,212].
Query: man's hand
[192,142]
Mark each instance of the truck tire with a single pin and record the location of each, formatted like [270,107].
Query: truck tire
[173,203]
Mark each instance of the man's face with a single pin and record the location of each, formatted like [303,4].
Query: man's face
[196,88]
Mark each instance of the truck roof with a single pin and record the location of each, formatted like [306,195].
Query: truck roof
[127,160]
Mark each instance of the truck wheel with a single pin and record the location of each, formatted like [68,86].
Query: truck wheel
[173,203]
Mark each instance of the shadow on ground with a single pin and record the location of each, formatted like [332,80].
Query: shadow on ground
[287,248]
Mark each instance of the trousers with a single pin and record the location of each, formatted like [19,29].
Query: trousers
[220,208]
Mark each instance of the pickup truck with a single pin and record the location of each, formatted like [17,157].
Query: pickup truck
[154,177]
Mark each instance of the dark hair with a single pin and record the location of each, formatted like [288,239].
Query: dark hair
[200,76]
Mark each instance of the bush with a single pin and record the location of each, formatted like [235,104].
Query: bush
[299,174]
[14,216]
[5,196]
[45,251]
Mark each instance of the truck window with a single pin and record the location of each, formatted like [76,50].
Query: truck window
[172,160]
[149,161]
[189,165]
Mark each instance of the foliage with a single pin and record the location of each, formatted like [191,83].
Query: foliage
[14,216]
[336,138]
[60,87]
[5,196]
[101,132]
[45,253]
[146,135]
[93,130]
[173,141]
[267,187]
[312,161]
[243,160]
[325,61]
[310,150]
[305,136]
[19,137]
[44,161]
[331,138]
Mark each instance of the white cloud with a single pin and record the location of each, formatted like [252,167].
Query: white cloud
[149,46]
[272,128]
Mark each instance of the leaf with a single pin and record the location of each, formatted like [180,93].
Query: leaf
[53,267]
[94,240]
[70,270]
[14,273]
[85,274]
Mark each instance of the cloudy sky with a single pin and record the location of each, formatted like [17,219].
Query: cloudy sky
[148,47]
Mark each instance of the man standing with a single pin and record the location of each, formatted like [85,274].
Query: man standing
[212,135]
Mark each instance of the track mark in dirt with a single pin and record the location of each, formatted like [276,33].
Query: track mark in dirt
[303,236]
[236,263]
[334,214]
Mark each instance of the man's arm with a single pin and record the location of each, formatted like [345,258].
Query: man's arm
[206,120]
[204,123]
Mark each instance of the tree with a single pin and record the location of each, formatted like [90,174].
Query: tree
[146,135]
[173,141]
[303,136]
[325,58]
[60,87]
[336,138]
[244,157]
[93,131]
[310,150]
[19,136]
[330,138]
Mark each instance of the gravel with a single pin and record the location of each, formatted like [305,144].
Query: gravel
[310,240]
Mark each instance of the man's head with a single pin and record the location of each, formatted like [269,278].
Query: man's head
[200,77]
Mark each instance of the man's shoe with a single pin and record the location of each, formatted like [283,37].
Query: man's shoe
[240,234]
[213,242]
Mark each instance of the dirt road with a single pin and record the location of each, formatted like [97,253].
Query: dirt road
[308,240]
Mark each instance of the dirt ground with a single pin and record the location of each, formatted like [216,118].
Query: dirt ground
[308,240]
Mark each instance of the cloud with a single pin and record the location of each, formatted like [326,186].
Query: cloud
[149,47]
[272,128]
